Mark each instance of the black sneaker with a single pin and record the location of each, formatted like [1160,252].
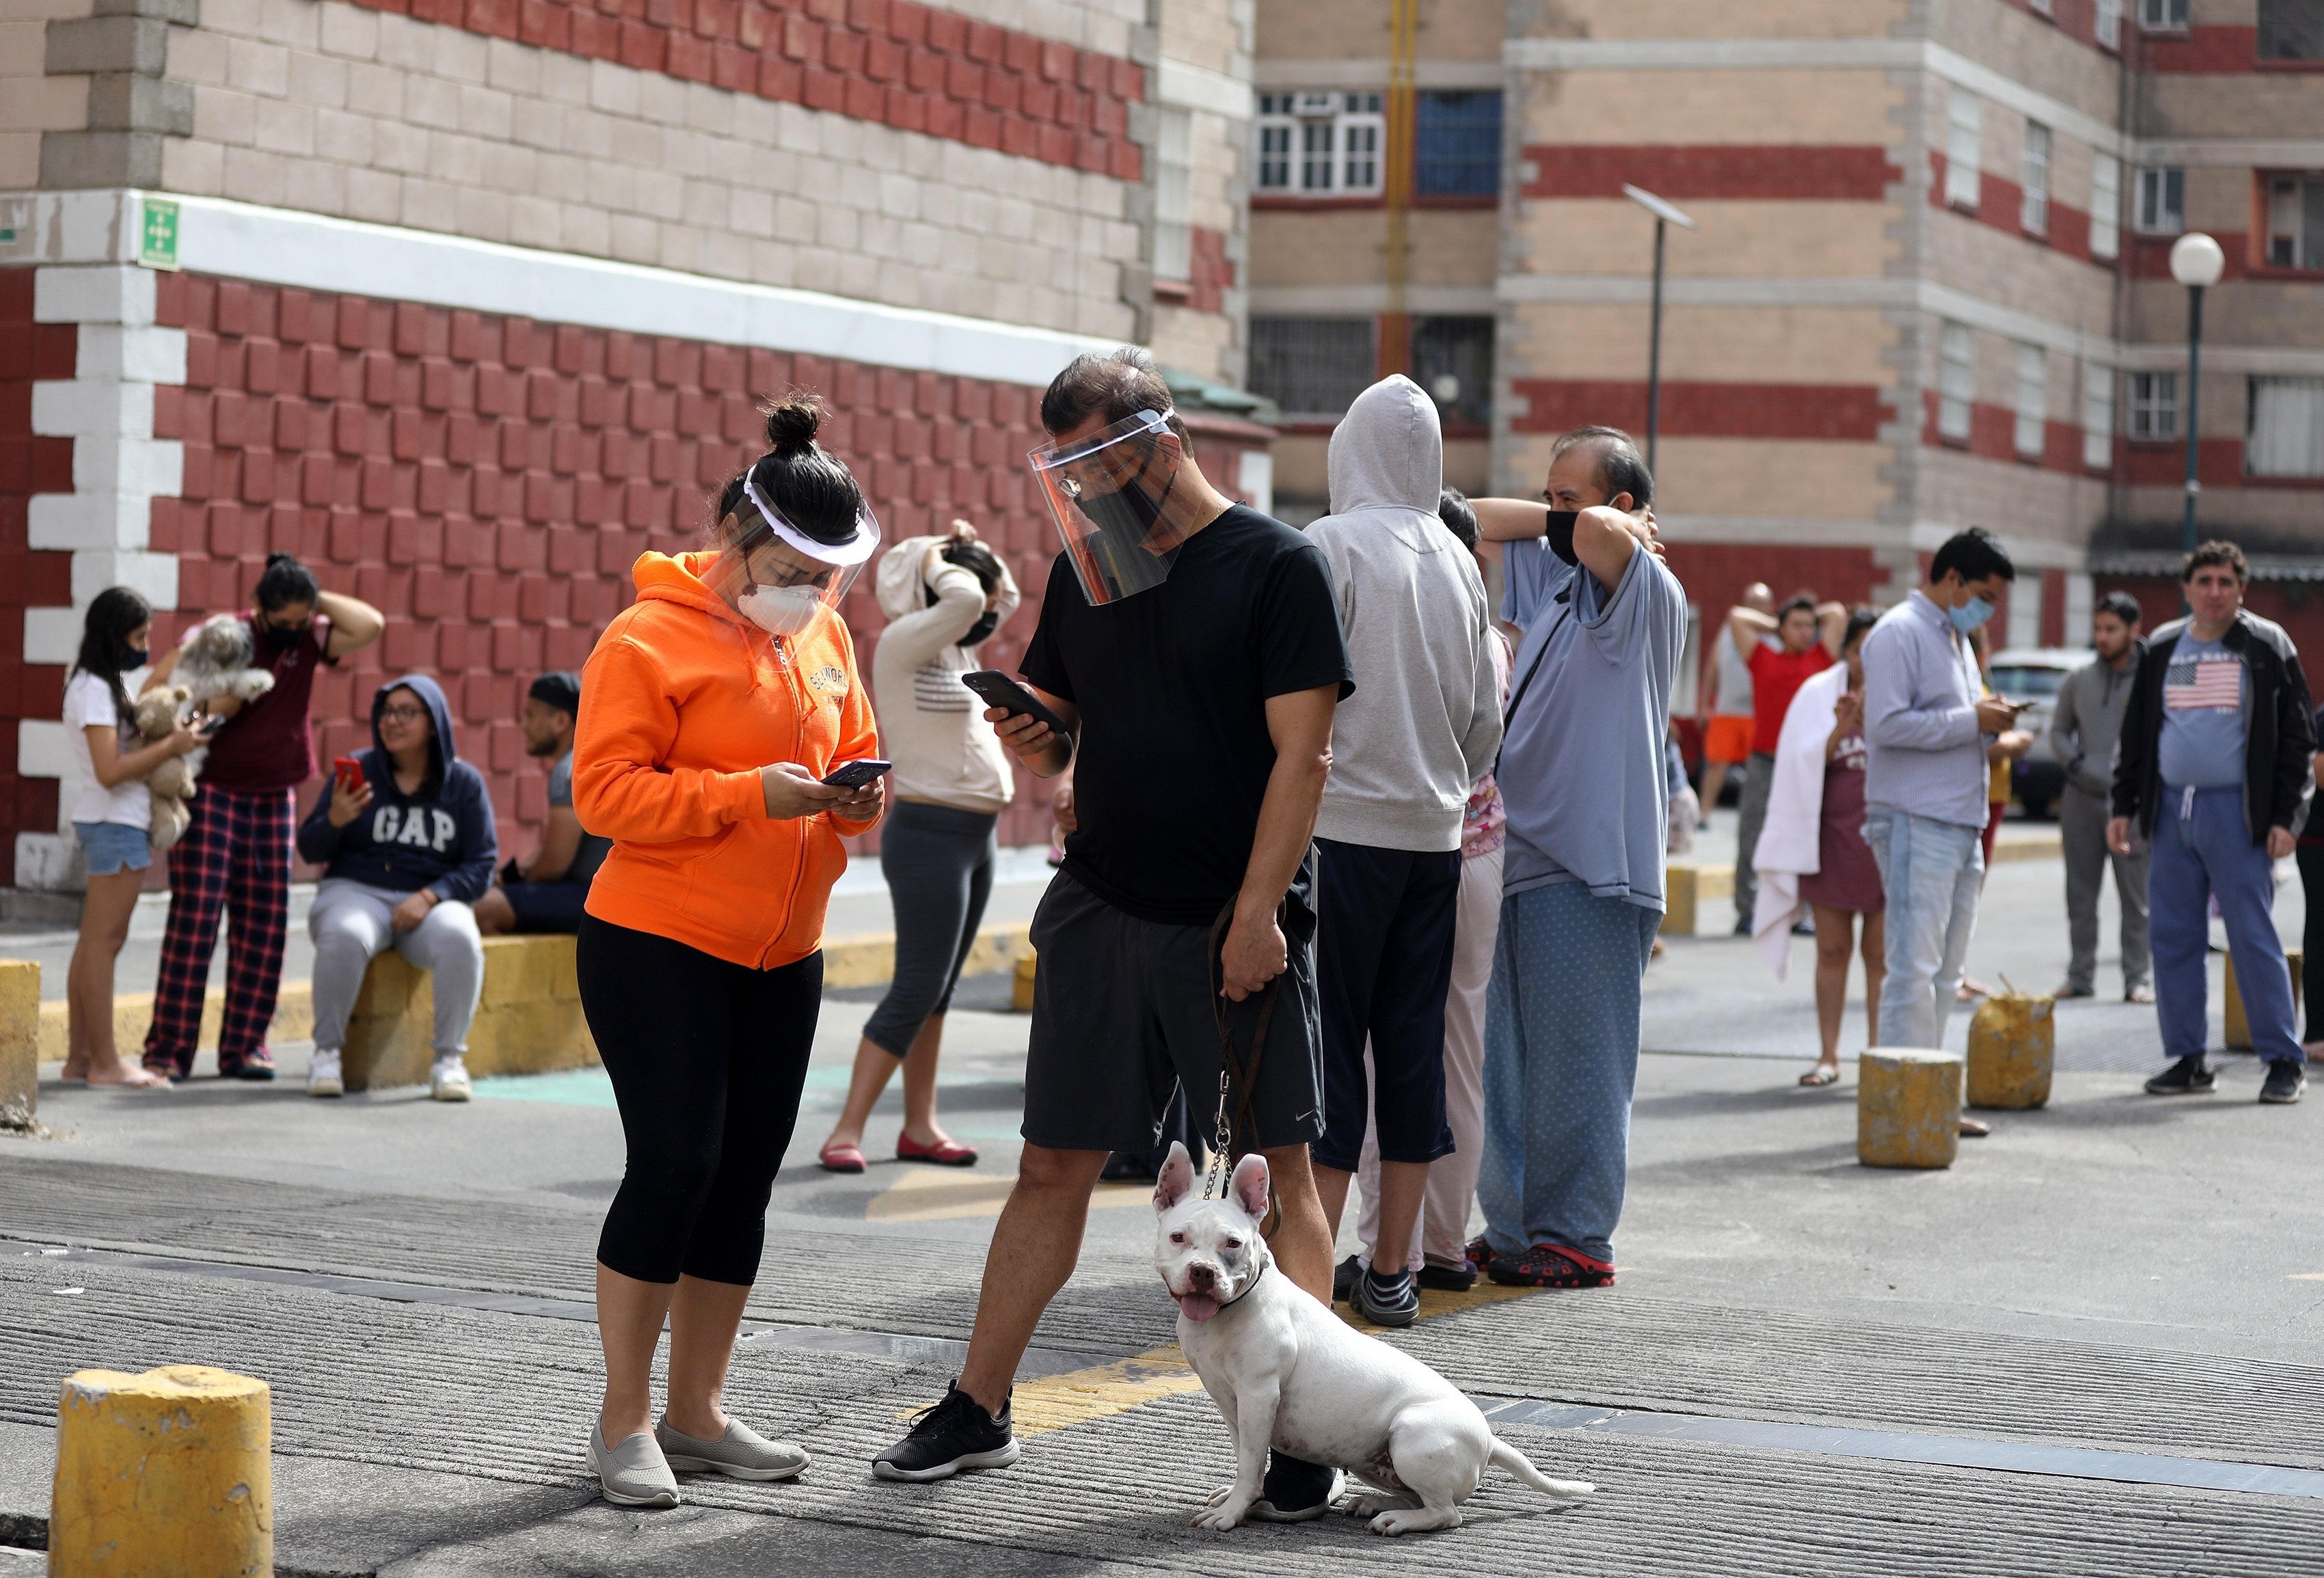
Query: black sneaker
[1294,1490]
[954,1434]
[1343,1278]
[2186,1078]
[2285,1080]
[1461,1279]
[1386,1301]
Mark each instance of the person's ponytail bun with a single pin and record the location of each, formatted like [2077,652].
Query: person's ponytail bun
[792,423]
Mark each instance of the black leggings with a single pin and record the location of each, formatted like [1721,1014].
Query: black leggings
[707,1060]
[2312,942]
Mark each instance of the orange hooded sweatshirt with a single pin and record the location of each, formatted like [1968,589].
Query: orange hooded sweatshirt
[682,702]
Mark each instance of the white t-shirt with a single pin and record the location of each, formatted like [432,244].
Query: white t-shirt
[88,704]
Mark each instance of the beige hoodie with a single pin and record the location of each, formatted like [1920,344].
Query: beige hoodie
[931,726]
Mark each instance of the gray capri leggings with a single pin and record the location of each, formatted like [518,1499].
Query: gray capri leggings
[938,862]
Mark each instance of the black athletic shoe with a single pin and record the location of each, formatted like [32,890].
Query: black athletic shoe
[1294,1490]
[1386,1301]
[1343,1278]
[1459,1278]
[954,1434]
[2285,1081]
[2186,1078]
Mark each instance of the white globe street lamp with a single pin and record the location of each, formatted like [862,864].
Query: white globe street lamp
[2197,262]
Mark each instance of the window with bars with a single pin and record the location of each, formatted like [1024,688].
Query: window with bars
[2153,407]
[2033,209]
[2105,206]
[2286,437]
[2097,417]
[2107,24]
[1173,199]
[1459,144]
[2162,15]
[1312,367]
[2032,400]
[1962,111]
[1452,359]
[1319,145]
[2162,208]
[2291,30]
[1955,380]
[2295,221]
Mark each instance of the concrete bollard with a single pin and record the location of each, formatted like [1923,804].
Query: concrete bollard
[1908,1102]
[2238,1036]
[2013,1046]
[1020,990]
[162,1475]
[20,1039]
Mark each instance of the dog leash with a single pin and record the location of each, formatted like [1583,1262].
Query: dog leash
[1232,1070]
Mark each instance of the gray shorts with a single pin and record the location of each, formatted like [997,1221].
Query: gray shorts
[1121,1015]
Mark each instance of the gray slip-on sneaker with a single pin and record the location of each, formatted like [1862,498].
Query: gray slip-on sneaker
[634,1473]
[742,1453]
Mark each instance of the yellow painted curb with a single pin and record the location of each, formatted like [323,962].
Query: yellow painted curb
[132,1016]
[161,1473]
[528,1018]
[869,958]
[1692,886]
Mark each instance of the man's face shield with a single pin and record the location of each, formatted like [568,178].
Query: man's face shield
[1108,493]
[777,576]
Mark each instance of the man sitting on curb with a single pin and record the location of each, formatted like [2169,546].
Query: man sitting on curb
[2214,772]
[545,893]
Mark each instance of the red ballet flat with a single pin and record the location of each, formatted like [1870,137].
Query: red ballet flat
[841,1158]
[949,1153]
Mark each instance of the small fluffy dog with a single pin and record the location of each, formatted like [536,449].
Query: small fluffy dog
[218,658]
[1285,1373]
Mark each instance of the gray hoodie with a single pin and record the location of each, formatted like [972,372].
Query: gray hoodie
[1425,719]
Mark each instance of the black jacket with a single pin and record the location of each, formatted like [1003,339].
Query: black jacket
[2282,740]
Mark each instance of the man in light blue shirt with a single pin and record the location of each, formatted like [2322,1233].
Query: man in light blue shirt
[1926,727]
[1582,776]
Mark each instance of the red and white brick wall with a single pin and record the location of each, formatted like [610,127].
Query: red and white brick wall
[479,442]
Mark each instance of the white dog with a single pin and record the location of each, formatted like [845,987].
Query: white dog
[1286,1372]
[218,658]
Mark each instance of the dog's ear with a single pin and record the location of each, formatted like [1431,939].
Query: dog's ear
[1176,1179]
[1249,1185]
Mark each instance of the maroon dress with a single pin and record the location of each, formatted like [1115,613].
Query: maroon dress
[1848,877]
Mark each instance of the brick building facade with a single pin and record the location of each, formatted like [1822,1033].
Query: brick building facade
[469,303]
[1929,286]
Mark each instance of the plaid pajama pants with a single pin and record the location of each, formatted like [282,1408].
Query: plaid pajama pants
[236,855]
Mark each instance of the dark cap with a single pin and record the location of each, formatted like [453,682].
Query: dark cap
[561,689]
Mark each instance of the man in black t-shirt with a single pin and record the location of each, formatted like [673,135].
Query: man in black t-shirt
[1193,647]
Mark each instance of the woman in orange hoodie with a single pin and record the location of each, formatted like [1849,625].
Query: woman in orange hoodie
[711,712]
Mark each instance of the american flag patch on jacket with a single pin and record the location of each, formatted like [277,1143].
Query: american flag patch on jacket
[2205,682]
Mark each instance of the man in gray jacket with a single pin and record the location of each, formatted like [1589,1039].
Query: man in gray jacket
[1421,728]
[2083,732]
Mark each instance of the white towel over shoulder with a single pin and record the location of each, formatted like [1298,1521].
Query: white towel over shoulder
[1790,845]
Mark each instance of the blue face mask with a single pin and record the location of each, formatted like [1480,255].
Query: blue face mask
[1969,615]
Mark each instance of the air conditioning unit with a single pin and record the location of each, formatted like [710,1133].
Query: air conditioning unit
[1318,104]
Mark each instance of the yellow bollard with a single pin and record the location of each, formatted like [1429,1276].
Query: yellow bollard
[1020,990]
[1908,1102]
[20,1038]
[2238,1038]
[2013,1046]
[162,1475]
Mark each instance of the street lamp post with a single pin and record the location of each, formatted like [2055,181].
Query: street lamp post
[2197,262]
[1666,217]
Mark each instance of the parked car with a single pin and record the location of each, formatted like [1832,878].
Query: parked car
[2034,674]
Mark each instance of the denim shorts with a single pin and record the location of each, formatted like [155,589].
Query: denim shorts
[107,846]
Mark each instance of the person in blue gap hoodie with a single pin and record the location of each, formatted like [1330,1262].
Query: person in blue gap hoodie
[404,852]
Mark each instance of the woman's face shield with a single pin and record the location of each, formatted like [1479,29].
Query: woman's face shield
[777,576]
[1109,493]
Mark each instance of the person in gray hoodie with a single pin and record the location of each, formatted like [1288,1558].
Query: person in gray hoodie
[2083,732]
[1420,730]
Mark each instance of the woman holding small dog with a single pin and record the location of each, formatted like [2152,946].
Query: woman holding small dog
[713,711]
[110,819]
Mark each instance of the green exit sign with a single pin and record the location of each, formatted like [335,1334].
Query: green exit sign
[157,236]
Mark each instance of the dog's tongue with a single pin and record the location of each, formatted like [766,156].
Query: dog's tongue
[1197,1306]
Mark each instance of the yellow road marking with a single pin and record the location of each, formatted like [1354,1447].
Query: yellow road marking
[943,1194]
[2308,1276]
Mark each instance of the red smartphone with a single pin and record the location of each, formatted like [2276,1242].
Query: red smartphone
[348,771]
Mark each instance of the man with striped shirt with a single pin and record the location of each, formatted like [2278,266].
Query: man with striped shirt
[2213,770]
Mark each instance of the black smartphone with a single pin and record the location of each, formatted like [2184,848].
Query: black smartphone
[856,774]
[999,690]
[209,724]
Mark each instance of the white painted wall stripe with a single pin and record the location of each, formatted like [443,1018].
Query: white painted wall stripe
[279,246]
[1190,87]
